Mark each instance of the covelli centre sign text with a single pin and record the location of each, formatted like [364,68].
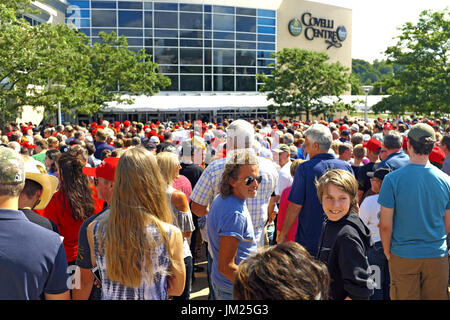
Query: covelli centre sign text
[315,27]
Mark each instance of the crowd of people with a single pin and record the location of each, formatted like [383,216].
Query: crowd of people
[287,209]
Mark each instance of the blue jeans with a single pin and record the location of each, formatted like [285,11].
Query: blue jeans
[222,293]
[376,257]
[210,262]
[187,286]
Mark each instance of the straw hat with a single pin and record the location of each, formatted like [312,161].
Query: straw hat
[48,182]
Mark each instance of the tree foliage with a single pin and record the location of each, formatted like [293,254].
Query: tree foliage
[50,63]
[422,86]
[299,81]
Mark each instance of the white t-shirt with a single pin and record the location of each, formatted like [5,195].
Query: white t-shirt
[284,178]
[369,212]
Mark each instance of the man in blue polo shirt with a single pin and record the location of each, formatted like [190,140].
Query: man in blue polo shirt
[392,154]
[33,262]
[303,199]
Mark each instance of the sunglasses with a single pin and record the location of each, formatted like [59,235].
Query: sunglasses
[95,181]
[249,180]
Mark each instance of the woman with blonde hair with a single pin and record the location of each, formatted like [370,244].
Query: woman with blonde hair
[138,251]
[170,170]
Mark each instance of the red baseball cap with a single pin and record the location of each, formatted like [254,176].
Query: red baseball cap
[437,155]
[106,169]
[388,126]
[373,145]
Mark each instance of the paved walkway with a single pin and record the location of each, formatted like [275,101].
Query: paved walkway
[199,289]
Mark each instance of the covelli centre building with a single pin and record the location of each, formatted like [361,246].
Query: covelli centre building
[212,49]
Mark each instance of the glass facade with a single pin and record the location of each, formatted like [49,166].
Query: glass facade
[200,47]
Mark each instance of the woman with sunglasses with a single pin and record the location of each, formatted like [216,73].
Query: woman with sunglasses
[230,230]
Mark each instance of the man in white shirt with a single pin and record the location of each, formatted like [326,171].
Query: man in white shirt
[281,155]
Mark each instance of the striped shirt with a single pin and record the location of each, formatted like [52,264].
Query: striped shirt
[207,188]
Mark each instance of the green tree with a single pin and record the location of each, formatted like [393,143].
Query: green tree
[46,64]
[301,79]
[421,85]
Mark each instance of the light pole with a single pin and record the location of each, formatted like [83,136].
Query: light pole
[366,89]
[59,86]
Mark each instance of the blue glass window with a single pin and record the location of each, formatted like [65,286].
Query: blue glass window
[166,42]
[168,69]
[166,6]
[224,70]
[246,11]
[85,13]
[166,19]
[223,22]
[148,33]
[148,19]
[166,33]
[207,8]
[266,46]
[245,45]
[86,31]
[265,70]
[131,32]
[207,43]
[81,4]
[103,18]
[208,22]
[266,13]
[245,58]
[224,35]
[148,42]
[134,41]
[208,34]
[191,83]
[270,30]
[174,85]
[95,31]
[266,38]
[191,7]
[166,55]
[265,54]
[245,70]
[223,44]
[208,57]
[104,4]
[266,22]
[208,70]
[208,83]
[148,5]
[191,20]
[246,24]
[191,69]
[265,63]
[191,56]
[130,19]
[223,83]
[130,5]
[191,34]
[191,43]
[223,57]
[246,36]
[245,84]
[223,9]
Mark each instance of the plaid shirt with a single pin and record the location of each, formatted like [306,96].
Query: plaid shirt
[207,188]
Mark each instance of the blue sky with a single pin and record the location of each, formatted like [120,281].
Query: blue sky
[375,23]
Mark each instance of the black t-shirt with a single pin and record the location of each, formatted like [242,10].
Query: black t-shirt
[192,172]
[363,179]
[40,220]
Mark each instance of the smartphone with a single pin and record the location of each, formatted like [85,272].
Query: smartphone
[96,272]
